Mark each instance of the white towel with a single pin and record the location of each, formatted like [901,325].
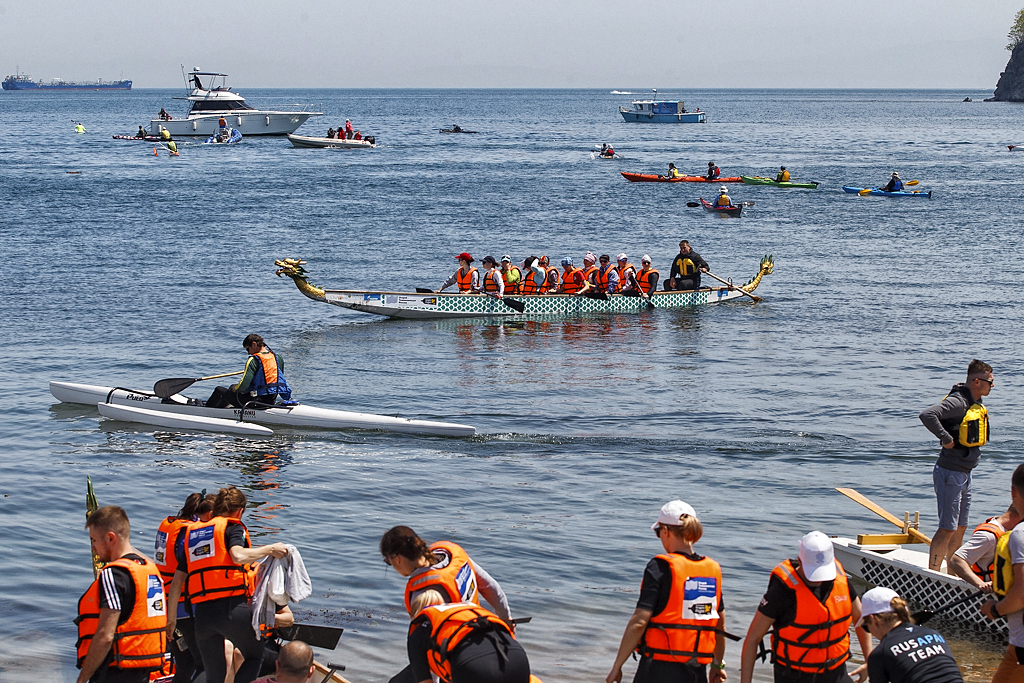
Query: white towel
[278,582]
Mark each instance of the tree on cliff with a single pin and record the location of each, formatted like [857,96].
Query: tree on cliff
[1016,34]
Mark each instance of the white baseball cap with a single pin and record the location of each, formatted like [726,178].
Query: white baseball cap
[672,511]
[878,600]
[817,557]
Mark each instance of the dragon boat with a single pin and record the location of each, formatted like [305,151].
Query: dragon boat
[442,305]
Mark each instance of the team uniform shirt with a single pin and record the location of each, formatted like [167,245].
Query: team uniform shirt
[1015,620]
[912,654]
[489,588]
[980,548]
[779,603]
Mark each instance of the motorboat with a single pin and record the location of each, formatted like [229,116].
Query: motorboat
[210,98]
[660,111]
[228,136]
[311,142]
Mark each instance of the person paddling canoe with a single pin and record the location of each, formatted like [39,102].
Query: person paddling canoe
[262,380]
[675,627]
[723,197]
[686,269]
[467,277]
[713,171]
[894,184]
[493,283]
[782,176]
[673,172]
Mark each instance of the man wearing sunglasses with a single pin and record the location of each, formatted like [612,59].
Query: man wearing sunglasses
[960,421]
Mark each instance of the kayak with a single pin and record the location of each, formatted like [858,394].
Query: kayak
[286,416]
[233,137]
[173,421]
[1015,148]
[653,178]
[452,130]
[875,192]
[733,211]
[148,138]
[598,155]
[761,180]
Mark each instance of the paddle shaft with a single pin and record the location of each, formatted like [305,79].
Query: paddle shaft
[925,615]
[869,190]
[883,513]
[166,388]
[739,289]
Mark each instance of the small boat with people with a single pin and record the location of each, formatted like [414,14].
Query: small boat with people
[762,180]
[180,412]
[877,192]
[228,136]
[660,111]
[309,142]
[456,128]
[731,210]
[655,178]
[210,101]
[432,305]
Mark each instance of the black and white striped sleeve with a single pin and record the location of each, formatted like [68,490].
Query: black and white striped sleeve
[113,584]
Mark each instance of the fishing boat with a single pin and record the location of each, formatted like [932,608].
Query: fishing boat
[875,192]
[660,111]
[730,210]
[306,141]
[654,178]
[420,305]
[231,138]
[761,180]
[25,82]
[191,414]
[208,102]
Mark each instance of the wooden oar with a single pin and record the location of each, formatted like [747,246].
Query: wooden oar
[739,289]
[925,615]
[868,190]
[883,513]
[166,388]
[330,672]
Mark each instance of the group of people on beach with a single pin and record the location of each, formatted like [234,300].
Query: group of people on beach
[598,276]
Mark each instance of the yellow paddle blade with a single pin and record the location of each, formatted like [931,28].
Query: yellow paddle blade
[866,191]
[882,512]
[912,182]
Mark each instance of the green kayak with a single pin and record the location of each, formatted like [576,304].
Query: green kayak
[759,180]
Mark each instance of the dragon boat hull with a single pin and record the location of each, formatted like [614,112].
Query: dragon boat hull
[906,572]
[290,416]
[654,178]
[433,305]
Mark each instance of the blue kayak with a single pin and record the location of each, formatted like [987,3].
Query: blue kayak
[882,193]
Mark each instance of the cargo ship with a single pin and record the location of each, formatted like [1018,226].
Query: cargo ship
[24,82]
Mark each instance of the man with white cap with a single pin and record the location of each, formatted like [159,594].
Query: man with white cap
[906,653]
[723,197]
[811,605]
[680,617]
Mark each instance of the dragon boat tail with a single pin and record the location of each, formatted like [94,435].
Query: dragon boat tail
[455,305]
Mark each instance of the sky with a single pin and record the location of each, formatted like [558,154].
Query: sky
[515,44]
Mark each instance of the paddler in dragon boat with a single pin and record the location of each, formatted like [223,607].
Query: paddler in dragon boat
[626,273]
[511,274]
[466,277]
[647,278]
[679,616]
[604,279]
[552,279]
[493,283]
[686,269]
[262,379]
[782,176]
[572,277]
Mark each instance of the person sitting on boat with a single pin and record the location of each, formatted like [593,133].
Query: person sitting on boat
[974,561]
[782,176]
[262,379]
[163,115]
[723,197]
[686,269]
[608,152]
[713,171]
[294,664]
[141,134]
[552,278]
[676,625]
[330,132]
[173,146]
[534,276]
[456,128]
[222,123]
[673,172]
[606,278]
[512,275]
[357,136]
[811,605]
[165,134]
[647,278]
[589,273]
[493,283]
[894,184]
[626,272]
[572,277]
[467,277]
[899,656]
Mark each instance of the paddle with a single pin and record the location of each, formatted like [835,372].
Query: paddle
[326,637]
[522,620]
[739,289]
[925,615]
[694,205]
[166,388]
[517,306]
[869,190]
[330,672]
[881,512]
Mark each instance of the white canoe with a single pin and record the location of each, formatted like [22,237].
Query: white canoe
[906,572]
[177,421]
[334,143]
[291,416]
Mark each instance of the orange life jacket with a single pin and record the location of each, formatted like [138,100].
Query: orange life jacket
[163,552]
[988,525]
[819,638]
[453,577]
[530,285]
[139,641]
[570,284]
[685,630]
[551,279]
[212,574]
[512,287]
[588,272]
[644,278]
[465,280]
[449,625]
[601,279]
[623,278]
[489,284]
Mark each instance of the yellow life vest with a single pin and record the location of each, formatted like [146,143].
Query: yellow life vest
[974,426]
[1002,574]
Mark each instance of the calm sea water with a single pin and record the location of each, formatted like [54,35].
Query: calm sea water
[138,267]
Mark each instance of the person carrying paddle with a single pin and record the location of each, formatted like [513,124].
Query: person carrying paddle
[121,617]
[809,606]
[676,625]
[262,379]
[723,197]
[906,653]
[467,277]
[894,184]
[974,561]
[782,176]
[960,422]
[713,171]
[686,269]
[1008,585]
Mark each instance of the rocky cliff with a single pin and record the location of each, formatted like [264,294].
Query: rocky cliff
[1010,87]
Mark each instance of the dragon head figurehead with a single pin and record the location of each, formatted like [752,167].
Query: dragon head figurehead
[767,266]
[293,268]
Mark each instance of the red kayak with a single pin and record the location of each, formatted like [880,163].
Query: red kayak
[733,211]
[652,178]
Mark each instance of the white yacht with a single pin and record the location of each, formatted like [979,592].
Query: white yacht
[208,102]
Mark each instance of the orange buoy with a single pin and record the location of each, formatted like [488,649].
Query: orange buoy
[155,152]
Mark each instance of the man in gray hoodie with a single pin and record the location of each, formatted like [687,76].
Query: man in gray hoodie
[960,422]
